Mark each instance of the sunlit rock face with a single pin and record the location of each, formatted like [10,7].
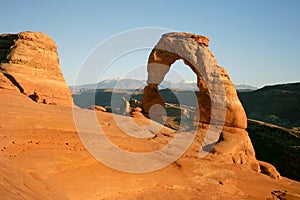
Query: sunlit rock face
[193,50]
[29,60]
[218,103]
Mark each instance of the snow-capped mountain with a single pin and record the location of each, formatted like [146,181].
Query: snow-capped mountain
[132,83]
[244,88]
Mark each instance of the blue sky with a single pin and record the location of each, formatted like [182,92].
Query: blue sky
[256,41]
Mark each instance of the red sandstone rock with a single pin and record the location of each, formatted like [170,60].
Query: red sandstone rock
[5,83]
[193,50]
[268,169]
[30,61]
[151,97]
[98,108]
[216,89]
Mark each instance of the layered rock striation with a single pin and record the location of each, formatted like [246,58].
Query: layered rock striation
[29,63]
[218,103]
[193,50]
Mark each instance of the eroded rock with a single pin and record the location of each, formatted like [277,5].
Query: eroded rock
[194,53]
[98,108]
[125,107]
[216,92]
[29,60]
[5,83]
[136,112]
[268,169]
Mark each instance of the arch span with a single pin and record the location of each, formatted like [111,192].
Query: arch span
[217,102]
[213,82]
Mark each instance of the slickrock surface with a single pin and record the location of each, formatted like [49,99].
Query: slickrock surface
[5,83]
[42,157]
[30,61]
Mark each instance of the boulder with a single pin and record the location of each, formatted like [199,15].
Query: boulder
[268,169]
[136,112]
[98,108]
[125,107]
[29,60]
[286,195]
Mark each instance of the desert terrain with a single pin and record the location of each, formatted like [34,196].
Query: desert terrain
[43,155]
[278,145]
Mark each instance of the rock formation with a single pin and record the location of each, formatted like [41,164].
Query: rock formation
[98,108]
[268,169]
[29,63]
[5,83]
[124,107]
[216,89]
[192,49]
[136,112]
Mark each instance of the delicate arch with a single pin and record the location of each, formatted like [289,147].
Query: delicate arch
[192,49]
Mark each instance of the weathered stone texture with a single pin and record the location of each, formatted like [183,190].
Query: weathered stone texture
[218,103]
[30,61]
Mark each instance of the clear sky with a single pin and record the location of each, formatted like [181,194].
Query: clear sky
[258,42]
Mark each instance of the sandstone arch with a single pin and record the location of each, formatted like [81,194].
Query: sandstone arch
[192,49]
[215,87]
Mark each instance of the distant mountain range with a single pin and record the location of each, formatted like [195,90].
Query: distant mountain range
[245,88]
[111,84]
[132,83]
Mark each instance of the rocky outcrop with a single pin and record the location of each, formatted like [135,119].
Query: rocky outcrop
[5,83]
[136,112]
[29,60]
[279,195]
[268,169]
[218,103]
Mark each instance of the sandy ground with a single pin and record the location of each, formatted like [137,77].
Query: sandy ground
[42,157]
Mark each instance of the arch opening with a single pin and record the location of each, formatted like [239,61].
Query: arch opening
[179,92]
[218,109]
[192,49]
[159,64]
